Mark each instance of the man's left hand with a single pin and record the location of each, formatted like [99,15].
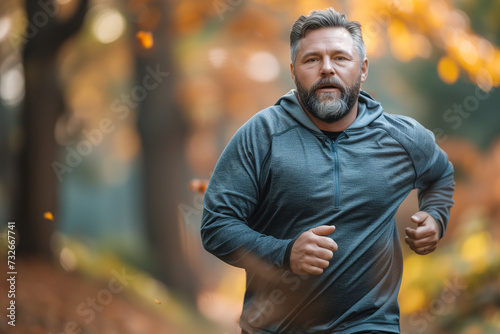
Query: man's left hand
[424,238]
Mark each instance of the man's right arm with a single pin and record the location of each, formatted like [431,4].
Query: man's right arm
[231,198]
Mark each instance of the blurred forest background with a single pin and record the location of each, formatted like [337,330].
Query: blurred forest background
[111,110]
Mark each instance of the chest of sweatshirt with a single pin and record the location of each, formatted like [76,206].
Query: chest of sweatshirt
[356,182]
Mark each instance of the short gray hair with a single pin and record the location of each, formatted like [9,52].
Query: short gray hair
[328,18]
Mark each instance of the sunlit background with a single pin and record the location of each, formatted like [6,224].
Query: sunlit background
[142,98]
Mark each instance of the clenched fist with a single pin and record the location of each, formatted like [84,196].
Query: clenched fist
[424,238]
[312,251]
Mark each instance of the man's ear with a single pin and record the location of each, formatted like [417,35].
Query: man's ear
[292,72]
[364,70]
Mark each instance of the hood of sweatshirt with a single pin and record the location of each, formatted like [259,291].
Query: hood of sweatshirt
[368,110]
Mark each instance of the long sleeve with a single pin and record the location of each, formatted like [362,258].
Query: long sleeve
[434,179]
[230,200]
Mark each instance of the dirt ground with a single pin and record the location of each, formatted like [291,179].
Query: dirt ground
[49,300]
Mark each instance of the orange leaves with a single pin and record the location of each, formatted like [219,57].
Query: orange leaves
[199,186]
[414,28]
[48,215]
[145,38]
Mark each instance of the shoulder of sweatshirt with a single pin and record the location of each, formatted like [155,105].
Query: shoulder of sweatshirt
[405,129]
[418,141]
[270,121]
[258,131]
[251,143]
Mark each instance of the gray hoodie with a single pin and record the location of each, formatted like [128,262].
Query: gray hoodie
[280,176]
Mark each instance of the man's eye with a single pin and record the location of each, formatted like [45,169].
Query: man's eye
[311,60]
[340,58]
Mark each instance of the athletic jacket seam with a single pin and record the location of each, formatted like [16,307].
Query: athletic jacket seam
[406,150]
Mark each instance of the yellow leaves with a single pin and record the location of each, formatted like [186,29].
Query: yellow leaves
[412,296]
[303,7]
[411,300]
[145,38]
[374,43]
[448,70]
[495,68]
[422,44]
[401,41]
[483,79]
[476,247]
[406,45]
[476,250]
[406,6]
[413,25]
[436,13]
[48,215]
[468,51]
[397,28]
[413,268]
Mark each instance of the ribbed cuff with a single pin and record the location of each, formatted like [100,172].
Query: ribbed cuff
[288,252]
[440,225]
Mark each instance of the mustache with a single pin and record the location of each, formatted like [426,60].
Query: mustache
[330,81]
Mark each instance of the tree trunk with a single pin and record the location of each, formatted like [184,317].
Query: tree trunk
[162,129]
[43,104]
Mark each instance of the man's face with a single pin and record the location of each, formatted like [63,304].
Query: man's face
[328,73]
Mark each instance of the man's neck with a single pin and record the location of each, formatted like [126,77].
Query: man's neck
[337,126]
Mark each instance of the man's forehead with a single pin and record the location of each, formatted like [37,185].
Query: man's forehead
[337,37]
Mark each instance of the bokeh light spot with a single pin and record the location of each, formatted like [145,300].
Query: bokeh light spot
[468,52]
[448,70]
[262,67]
[108,25]
[12,85]
[68,259]
[5,24]
[217,57]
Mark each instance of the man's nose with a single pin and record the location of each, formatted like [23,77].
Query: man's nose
[327,67]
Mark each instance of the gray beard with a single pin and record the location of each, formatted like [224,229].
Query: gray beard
[329,109]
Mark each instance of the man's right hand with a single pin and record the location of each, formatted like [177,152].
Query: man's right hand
[312,250]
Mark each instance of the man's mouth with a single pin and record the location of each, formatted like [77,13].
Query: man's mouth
[328,88]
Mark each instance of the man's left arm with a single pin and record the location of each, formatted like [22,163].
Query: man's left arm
[434,181]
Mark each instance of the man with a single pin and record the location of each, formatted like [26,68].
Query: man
[304,195]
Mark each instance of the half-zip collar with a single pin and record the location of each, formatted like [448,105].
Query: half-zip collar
[368,110]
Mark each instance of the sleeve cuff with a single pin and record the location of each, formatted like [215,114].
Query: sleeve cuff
[288,252]
[439,222]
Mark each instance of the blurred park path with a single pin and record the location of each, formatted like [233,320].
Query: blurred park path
[50,300]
